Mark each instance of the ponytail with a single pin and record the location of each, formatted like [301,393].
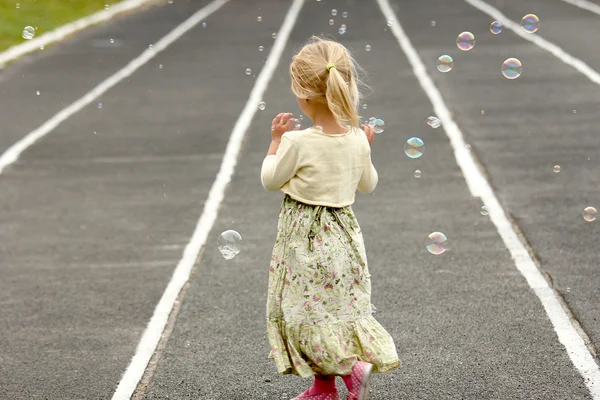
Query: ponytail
[342,98]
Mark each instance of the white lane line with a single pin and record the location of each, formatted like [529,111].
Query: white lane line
[585,4]
[66,30]
[535,38]
[580,356]
[14,152]
[181,275]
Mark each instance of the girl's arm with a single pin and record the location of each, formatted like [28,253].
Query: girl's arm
[368,178]
[281,166]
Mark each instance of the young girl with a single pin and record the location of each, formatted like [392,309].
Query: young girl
[319,318]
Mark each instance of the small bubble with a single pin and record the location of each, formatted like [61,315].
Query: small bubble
[112,40]
[512,68]
[319,128]
[364,106]
[99,105]
[465,41]
[259,18]
[18,5]
[274,35]
[378,125]
[433,23]
[204,24]
[414,147]
[28,32]
[106,6]
[260,48]
[38,92]
[556,169]
[248,71]
[496,27]
[434,122]
[331,22]
[468,147]
[390,22]
[417,174]
[334,12]
[95,133]
[262,105]
[170,1]
[42,47]
[482,112]
[228,244]
[574,111]
[368,47]
[436,243]
[344,14]
[445,63]
[342,30]
[530,23]
[151,46]
[484,210]
[589,214]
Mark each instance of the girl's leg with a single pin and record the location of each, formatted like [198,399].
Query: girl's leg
[323,384]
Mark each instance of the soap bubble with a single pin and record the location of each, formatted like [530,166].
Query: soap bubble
[484,210]
[248,71]
[151,46]
[414,147]
[468,147]
[364,106]
[556,169]
[42,47]
[417,174]
[319,128]
[512,68]
[344,14]
[465,41]
[112,40]
[170,1]
[204,24]
[445,63]
[106,6]
[434,122]
[259,18]
[260,48]
[38,92]
[390,22]
[530,23]
[99,105]
[331,22]
[262,105]
[342,30]
[496,27]
[274,35]
[378,125]
[436,243]
[368,47]
[589,214]
[18,5]
[28,32]
[228,244]
[334,12]
[433,23]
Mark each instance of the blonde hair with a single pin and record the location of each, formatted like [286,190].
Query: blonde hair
[337,87]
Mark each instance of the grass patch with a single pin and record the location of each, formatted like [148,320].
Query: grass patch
[45,15]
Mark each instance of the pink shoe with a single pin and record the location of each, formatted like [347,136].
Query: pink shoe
[361,381]
[321,396]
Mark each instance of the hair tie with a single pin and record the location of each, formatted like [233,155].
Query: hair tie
[329,66]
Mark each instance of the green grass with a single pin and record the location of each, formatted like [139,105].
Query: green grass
[46,15]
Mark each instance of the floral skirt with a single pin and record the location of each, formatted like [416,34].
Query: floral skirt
[319,318]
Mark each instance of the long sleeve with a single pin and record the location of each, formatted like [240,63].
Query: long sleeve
[279,168]
[368,178]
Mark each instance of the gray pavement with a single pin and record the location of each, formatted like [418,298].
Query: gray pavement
[94,224]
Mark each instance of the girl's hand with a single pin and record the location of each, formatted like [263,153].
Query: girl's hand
[370,132]
[280,125]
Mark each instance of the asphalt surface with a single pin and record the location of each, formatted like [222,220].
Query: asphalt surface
[94,217]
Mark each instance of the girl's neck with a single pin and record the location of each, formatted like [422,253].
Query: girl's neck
[326,120]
